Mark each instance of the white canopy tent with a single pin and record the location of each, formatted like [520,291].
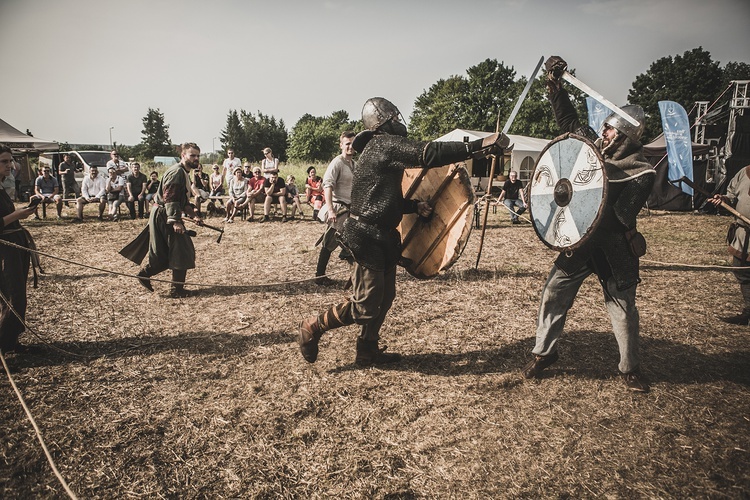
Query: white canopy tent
[525,151]
[22,143]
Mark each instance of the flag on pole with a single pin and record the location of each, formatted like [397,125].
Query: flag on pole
[598,112]
[674,122]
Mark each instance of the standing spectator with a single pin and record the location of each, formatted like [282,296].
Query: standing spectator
[121,168]
[509,196]
[337,185]
[170,247]
[255,191]
[152,187]
[314,191]
[230,163]
[115,193]
[14,262]
[237,195]
[269,164]
[136,190]
[93,190]
[9,183]
[275,189]
[292,196]
[15,171]
[247,170]
[199,187]
[47,188]
[67,171]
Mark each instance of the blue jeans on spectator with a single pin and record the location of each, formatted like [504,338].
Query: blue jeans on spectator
[514,203]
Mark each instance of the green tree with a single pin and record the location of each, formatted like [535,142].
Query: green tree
[232,136]
[316,138]
[735,71]
[261,132]
[155,141]
[439,109]
[691,77]
[475,101]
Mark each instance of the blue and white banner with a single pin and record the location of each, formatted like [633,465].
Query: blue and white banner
[674,121]
[598,112]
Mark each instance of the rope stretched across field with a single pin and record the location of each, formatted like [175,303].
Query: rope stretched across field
[189,283]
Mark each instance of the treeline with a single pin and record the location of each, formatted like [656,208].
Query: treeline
[478,100]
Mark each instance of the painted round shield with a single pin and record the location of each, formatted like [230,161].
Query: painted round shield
[567,192]
[430,245]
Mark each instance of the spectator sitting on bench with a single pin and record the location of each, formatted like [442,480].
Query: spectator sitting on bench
[199,187]
[237,195]
[152,187]
[217,184]
[115,193]
[314,191]
[256,192]
[275,189]
[93,190]
[292,196]
[136,190]
[47,188]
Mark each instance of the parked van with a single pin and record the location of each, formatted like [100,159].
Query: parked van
[83,161]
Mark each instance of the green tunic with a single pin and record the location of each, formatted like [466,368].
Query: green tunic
[168,250]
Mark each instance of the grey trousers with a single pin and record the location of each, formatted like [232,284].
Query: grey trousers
[743,277]
[373,293]
[558,295]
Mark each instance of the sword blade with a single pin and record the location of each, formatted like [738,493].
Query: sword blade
[596,95]
[521,98]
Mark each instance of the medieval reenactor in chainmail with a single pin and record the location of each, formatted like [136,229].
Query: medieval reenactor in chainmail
[370,233]
[170,246]
[613,249]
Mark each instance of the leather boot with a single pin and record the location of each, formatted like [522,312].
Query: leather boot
[535,367]
[312,328]
[368,353]
[177,289]
[143,276]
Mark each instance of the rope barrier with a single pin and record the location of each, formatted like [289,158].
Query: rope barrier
[188,283]
[33,422]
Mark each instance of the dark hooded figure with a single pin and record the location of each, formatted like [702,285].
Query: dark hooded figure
[370,233]
[611,251]
[14,262]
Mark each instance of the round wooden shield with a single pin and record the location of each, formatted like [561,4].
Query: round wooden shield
[432,244]
[567,192]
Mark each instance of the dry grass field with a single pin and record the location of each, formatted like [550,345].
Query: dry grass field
[140,396]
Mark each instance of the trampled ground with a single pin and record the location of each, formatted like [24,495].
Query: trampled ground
[138,395]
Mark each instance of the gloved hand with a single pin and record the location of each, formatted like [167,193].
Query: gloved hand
[497,140]
[555,67]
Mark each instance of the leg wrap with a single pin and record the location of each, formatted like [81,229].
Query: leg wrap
[335,317]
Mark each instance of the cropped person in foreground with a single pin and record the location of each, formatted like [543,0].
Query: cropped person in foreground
[14,262]
[738,239]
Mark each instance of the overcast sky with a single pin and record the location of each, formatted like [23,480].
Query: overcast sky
[74,68]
